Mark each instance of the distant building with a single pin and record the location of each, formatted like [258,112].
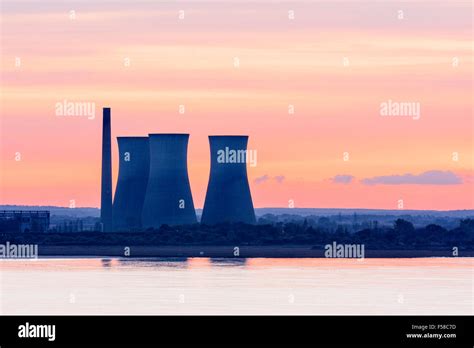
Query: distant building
[24,220]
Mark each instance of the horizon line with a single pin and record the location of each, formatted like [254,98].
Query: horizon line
[286,208]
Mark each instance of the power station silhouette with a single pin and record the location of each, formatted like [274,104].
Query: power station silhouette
[168,198]
[134,166]
[153,185]
[106,184]
[228,196]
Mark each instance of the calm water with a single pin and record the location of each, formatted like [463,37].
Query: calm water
[251,286]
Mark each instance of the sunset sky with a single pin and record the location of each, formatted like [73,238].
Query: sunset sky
[238,67]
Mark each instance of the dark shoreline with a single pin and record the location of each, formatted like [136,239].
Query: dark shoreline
[286,251]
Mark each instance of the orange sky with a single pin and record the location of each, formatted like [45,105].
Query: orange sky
[335,62]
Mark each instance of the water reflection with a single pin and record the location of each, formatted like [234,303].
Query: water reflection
[237,286]
[174,262]
[218,261]
[153,262]
[106,263]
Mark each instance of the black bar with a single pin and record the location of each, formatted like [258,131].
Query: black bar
[242,331]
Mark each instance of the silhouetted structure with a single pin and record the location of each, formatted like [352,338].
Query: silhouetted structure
[228,197]
[106,184]
[134,166]
[168,198]
[24,220]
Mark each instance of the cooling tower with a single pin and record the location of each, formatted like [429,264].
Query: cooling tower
[106,184]
[168,198]
[228,197]
[134,165]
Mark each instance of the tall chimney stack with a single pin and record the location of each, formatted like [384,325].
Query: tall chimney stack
[106,185]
